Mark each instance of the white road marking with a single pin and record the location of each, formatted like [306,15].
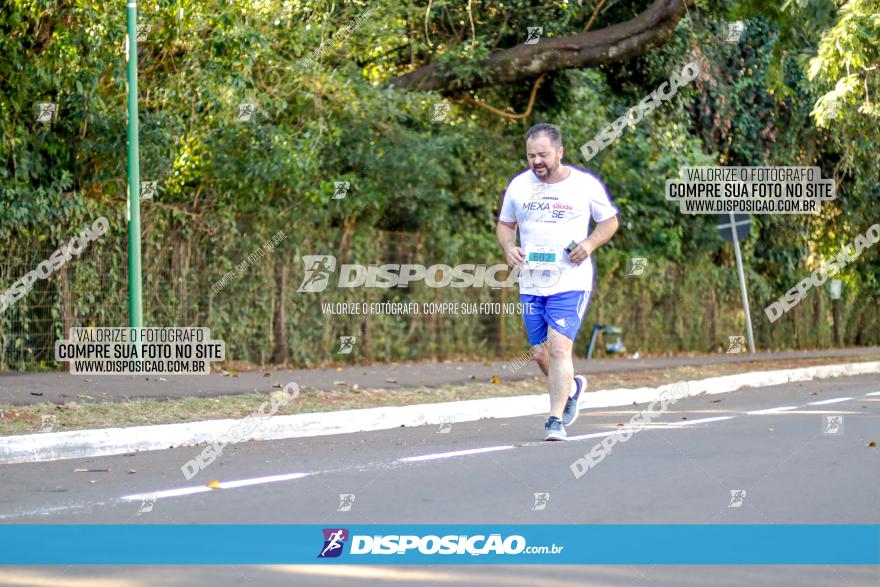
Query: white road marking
[436,456]
[78,444]
[223,485]
[446,455]
[168,493]
[594,435]
[51,510]
[261,480]
[830,401]
[701,421]
[772,410]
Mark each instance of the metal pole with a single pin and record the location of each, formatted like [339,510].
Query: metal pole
[596,329]
[135,303]
[742,284]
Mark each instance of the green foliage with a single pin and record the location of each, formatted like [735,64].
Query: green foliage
[421,191]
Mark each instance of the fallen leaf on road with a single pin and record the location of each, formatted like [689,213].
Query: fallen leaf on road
[715,401]
[340,383]
[391,380]
[36,393]
[495,380]
[85,397]
[132,471]
[267,375]
[872,444]
[214,484]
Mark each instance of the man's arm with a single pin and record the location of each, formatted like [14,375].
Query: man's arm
[505,232]
[601,234]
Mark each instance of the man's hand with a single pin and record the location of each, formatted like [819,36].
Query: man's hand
[515,256]
[601,234]
[582,252]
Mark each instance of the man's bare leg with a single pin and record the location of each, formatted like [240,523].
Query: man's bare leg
[554,359]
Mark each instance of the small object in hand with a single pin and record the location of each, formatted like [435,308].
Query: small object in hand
[571,246]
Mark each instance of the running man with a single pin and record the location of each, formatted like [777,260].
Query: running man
[552,207]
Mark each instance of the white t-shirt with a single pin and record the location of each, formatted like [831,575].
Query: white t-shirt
[550,216]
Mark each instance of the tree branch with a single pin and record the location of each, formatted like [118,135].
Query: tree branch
[612,44]
[504,114]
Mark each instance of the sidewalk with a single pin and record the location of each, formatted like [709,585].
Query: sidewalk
[31,388]
[218,433]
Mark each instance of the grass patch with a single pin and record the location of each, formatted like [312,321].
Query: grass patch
[78,415]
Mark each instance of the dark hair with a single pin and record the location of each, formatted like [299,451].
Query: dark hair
[550,130]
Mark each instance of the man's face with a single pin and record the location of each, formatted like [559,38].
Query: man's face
[544,158]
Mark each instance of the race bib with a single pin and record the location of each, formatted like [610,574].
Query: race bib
[536,256]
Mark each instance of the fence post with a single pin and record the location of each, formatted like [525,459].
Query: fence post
[66,309]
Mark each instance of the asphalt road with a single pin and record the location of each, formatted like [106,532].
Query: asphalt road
[31,388]
[681,469]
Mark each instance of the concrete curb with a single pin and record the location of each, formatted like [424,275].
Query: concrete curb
[39,447]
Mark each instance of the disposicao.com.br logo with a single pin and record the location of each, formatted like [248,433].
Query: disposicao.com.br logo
[476,545]
[319,269]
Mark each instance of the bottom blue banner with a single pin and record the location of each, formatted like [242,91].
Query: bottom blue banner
[427,544]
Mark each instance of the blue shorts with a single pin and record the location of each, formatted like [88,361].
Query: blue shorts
[563,311]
